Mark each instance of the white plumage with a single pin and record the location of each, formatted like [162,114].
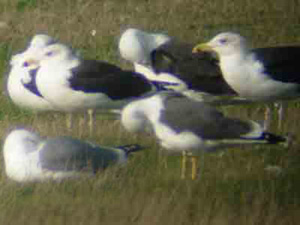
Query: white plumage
[252,73]
[73,84]
[19,76]
[261,74]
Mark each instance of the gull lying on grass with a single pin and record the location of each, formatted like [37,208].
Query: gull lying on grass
[184,125]
[29,157]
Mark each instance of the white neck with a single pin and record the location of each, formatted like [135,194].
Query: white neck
[238,70]
[133,117]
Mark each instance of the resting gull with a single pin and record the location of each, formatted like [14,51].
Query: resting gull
[29,157]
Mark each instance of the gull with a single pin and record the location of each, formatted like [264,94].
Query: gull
[263,74]
[162,58]
[75,84]
[29,157]
[181,124]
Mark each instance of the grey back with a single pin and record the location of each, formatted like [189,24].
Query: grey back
[66,153]
[183,114]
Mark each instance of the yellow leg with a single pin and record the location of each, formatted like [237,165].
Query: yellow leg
[69,121]
[82,122]
[183,165]
[194,167]
[280,112]
[268,116]
[91,114]
[162,159]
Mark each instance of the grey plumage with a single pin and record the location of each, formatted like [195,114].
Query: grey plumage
[182,114]
[183,124]
[29,157]
[66,153]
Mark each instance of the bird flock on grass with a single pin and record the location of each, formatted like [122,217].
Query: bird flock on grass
[171,94]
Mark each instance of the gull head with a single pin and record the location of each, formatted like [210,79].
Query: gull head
[224,44]
[37,43]
[54,54]
[22,141]
[40,41]
[136,45]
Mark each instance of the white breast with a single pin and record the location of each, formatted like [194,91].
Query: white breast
[246,76]
[20,95]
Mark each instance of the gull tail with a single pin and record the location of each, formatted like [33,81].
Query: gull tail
[285,141]
[269,138]
[273,138]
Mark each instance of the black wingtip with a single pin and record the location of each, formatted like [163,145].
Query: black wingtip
[274,139]
[128,149]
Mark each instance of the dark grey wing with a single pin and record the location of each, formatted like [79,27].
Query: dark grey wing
[93,76]
[281,63]
[199,71]
[69,154]
[31,86]
[183,114]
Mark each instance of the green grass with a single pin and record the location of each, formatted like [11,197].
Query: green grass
[234,187]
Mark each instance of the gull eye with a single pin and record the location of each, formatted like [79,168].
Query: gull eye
[49,53]
[223,41]
[25,64]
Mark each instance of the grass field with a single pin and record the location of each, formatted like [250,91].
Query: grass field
[234,187]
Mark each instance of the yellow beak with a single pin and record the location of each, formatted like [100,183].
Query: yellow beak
[204,47]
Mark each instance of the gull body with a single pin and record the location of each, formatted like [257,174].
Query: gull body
[29,157]
[73,84]
[181,124]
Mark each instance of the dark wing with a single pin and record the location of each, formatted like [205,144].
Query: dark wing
[183,114]
[199,71]
[95,76]
[281,63]
[68,154]
[31,86]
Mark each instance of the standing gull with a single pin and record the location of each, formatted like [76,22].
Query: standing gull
[162,58]
[265,74]
[73,84]
[29,157]
[182,124]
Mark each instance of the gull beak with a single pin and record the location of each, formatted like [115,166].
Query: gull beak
[204,47]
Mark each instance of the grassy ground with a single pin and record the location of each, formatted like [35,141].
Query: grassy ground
[234,187]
